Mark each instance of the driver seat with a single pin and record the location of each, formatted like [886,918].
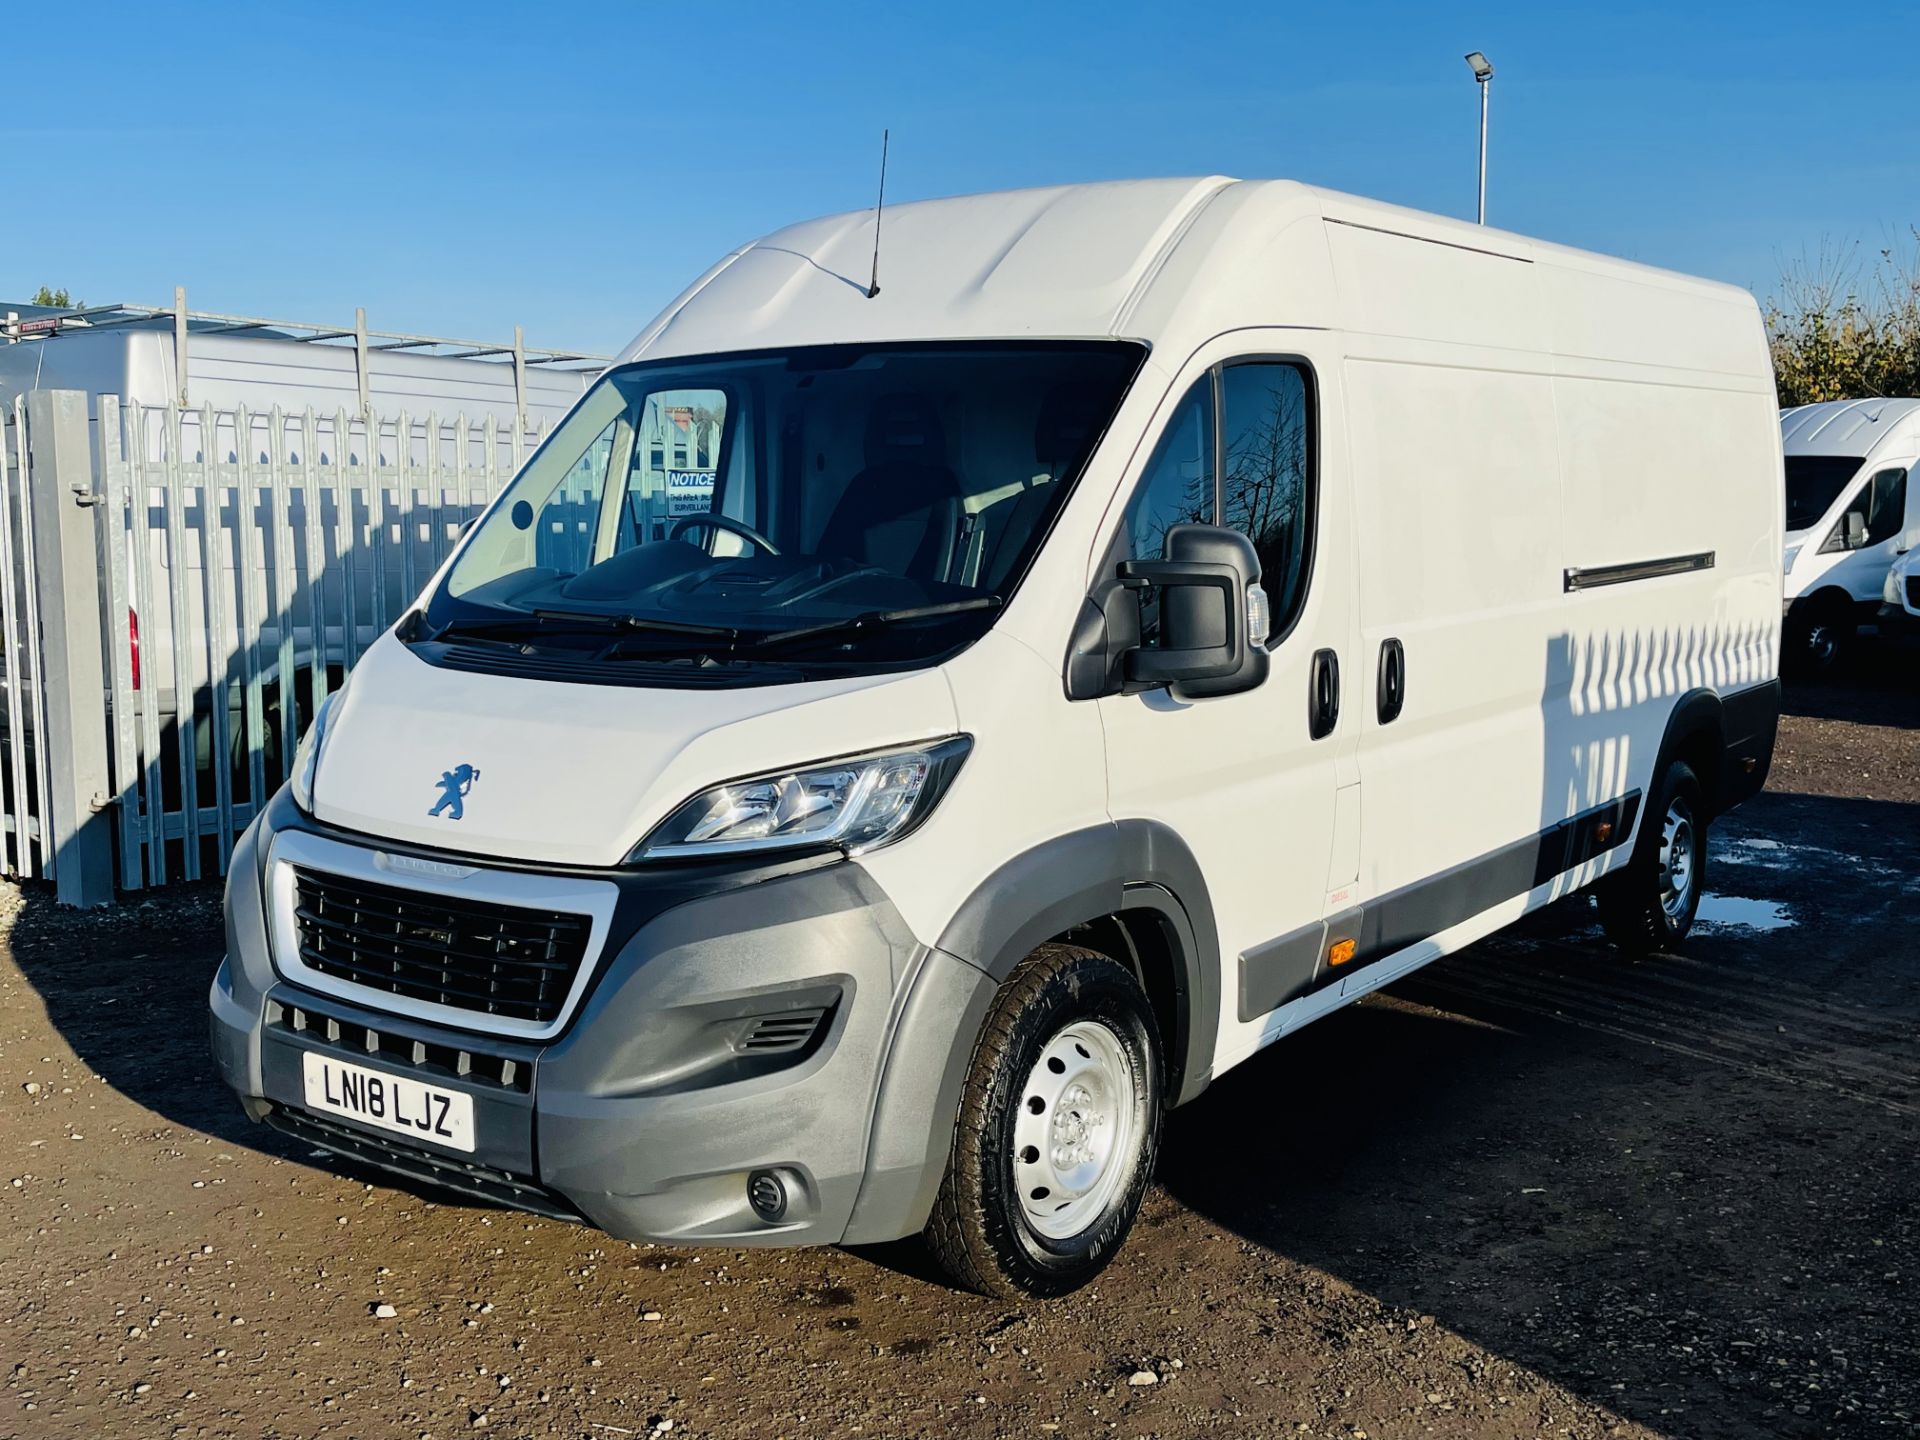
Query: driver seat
[902,513]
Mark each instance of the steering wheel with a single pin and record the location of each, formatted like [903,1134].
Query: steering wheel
[713,520]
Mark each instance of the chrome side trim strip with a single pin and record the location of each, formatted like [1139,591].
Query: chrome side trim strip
[1592,577]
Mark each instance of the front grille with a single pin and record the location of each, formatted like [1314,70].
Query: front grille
[1913,592]
[432,1167]
[436,1061]
[503,960]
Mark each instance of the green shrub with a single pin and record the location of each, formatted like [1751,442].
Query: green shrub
[1841,331]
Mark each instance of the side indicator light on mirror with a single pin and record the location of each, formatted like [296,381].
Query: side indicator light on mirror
[1341,952]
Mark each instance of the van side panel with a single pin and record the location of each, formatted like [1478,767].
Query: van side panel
[1459,519]
[1670,451]
[1455,470]
[1567,490]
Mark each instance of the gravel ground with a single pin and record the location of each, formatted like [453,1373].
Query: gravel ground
[1534,1190]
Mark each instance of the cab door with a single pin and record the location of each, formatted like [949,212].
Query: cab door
[1882,504]
[1261,787]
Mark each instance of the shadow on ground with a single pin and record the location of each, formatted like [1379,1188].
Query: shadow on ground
[1683,1188]
[1875,682]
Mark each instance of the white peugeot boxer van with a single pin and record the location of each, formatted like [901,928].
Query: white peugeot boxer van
[1162,614]
[1851,515]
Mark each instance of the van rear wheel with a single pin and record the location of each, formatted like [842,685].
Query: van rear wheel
[1818,632]
[1058,1129]
[1649,904]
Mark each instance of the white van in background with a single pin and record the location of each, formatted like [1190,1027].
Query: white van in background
[1160,615]
[1900,599]
[1850,515]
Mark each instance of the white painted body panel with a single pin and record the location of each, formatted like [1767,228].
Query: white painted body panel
[1238,778]
[578,774]
[1037,770]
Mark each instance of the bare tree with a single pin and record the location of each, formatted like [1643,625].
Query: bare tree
[1843,329]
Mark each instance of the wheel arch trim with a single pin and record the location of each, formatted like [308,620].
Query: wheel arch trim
[1127,867]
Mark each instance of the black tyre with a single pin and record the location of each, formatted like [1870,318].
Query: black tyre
[1818,633]
[1649,904]
[1058,1129]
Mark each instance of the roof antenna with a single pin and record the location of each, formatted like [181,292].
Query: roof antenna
[873,285]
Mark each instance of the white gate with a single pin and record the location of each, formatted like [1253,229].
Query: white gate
[248,559]
[24,846]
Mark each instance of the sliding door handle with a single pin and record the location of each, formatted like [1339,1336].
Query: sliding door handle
[1391,692]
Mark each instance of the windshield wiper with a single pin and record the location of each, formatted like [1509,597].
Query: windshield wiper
[561,621]
[642,622]
[873,620]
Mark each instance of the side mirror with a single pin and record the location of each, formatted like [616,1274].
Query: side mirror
[1213,621]
[1856,530]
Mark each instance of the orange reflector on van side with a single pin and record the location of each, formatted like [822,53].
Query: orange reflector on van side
[1603,832]
[1341,952]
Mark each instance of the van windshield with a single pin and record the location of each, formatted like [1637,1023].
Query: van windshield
[1814,482]
[833,505]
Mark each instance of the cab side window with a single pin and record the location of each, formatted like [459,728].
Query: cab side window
[1885,497]
[1265,484]
[1252,471]
[1177,489]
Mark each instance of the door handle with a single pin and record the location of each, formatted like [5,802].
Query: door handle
[1323,694]
[1391,693]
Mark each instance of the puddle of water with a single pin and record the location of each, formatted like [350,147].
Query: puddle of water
[1720,913]
[1761,853]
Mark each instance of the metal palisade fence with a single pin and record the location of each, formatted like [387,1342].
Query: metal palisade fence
[24,841]
[245,562]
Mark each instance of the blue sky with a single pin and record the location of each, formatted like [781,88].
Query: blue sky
[460,168]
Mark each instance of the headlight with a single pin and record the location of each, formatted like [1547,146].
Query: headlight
[854,804]
[1793,553]
[306,759]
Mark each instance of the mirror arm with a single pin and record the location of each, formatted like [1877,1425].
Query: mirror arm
[1105,632]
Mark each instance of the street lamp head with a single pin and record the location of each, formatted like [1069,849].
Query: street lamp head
[1482,67]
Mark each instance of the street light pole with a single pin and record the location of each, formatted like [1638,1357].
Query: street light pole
[1482,72]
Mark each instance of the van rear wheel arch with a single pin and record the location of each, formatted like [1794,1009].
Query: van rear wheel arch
[1695,735]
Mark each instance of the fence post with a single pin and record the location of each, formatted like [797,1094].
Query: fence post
[73,742]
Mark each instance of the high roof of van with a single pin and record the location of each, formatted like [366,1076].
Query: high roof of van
[1140,259]
[1849,427]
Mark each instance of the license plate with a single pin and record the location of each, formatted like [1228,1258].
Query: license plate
[390,1102]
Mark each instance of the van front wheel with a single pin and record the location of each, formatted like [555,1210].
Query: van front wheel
[1649,903]
[1058,1128]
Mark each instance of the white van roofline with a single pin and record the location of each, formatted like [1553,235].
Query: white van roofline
[1850,428]
[1151,260]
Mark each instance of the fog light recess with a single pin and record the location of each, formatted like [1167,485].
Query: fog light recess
[767,1194]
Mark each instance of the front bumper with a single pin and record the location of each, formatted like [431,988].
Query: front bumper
[643,1116]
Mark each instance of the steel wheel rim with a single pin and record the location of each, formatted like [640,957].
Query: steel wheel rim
[1822,644]
[1077,1129]
[1678,870]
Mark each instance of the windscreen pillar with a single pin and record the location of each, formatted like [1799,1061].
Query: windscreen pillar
[68,584]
